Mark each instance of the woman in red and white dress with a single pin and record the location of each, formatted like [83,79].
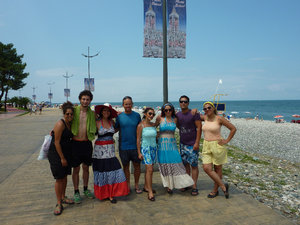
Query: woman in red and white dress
[109,178]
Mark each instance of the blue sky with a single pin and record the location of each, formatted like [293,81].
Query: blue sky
[252,45]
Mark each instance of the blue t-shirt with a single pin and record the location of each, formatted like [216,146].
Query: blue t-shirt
[127,134]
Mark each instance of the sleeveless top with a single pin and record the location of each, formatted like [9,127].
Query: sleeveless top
[211,130]
[65,139]
[149,136]
[106,132]
[104,145]
[167,127]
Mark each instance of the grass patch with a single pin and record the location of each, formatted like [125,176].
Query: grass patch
[242,178]
[262,185]
[293,210]
[276,188]
[227,171]
[238,154]
[279,182]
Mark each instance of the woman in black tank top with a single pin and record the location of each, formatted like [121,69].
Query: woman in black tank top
[59,155]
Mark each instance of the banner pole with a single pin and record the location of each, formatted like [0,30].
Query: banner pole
[165,57]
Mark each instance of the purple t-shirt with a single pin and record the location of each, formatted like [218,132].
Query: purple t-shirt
[187,127]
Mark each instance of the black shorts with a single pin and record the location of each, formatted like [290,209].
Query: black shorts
[129,155]
[58,171]
[81,153]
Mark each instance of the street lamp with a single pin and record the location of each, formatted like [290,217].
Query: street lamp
[67,91]
[50,94]
[89,56]
[33,93]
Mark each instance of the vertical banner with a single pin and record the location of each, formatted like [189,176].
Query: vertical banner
[89,84]
[176,28]
[67,92]
[33,97]
[153,29]
[50,95]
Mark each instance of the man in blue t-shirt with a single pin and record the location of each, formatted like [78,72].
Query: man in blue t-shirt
[127,123]
[190,129]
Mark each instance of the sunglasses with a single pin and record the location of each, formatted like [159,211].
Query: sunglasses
[69,114]
[151,114]
[168,110]
[184,102]
[208,108]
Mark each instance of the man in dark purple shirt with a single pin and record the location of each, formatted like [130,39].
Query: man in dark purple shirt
[190,129]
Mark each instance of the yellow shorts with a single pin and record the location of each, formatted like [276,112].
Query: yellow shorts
[213,153]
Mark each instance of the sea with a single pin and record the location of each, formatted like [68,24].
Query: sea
[263,109]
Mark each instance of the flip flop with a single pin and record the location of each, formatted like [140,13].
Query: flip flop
[213,194]
[144,190]
[138,191]
[169,191]
[194,192]
[185,189]
[152,199]
[113,201]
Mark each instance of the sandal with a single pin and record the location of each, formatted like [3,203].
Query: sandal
[169,191]
[194,192]
[213,194]
[67,200]
[152,199]
[226,193]
[113,200]
[185,189]
[58,209]
[138,191]
[153,191]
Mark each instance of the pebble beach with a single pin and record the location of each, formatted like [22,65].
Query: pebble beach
[264,161]
[280,140]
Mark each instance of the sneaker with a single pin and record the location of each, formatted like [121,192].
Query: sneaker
[77,198]
[88,194]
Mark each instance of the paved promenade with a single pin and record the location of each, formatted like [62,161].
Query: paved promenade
[27,190]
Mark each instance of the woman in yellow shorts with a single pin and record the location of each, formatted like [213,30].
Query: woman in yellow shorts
[214,153]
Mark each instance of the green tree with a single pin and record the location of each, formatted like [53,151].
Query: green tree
[11,70]
[20,102]
[14,100]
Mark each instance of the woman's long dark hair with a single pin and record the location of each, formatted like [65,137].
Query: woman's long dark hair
[163,114]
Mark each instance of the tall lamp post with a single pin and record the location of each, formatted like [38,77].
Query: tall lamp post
[67,91]
[89,56]
[50,93]
[165,54]
[33,93]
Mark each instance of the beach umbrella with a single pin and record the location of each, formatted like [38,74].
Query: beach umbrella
[296,115]
[278,116]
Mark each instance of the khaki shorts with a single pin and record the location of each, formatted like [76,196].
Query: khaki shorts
[213,153]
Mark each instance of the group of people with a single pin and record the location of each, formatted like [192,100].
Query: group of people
[140,140]
[35,108]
